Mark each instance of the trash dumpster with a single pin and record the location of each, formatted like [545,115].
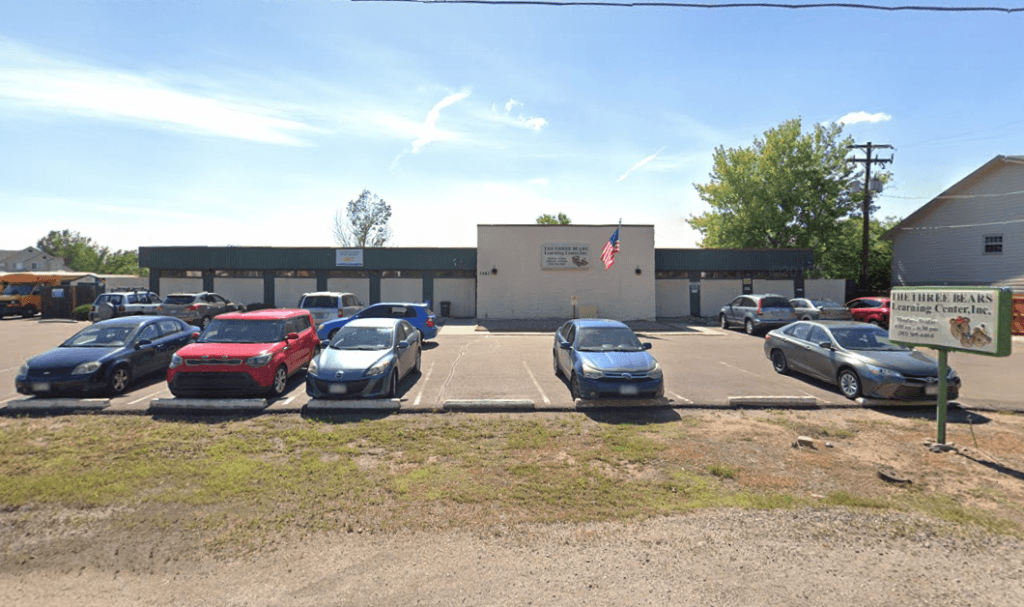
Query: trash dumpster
[446,309]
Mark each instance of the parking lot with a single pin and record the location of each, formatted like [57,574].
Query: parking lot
[470,368]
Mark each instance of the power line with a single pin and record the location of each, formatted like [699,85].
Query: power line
[845,5]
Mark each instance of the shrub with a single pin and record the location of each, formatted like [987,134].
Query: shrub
[81,312]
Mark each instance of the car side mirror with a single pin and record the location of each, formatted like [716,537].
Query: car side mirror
[142,343]
[324,343]
[826,345]
[403,345]
[647,345]
[195,336]
[564,345]
[292,335]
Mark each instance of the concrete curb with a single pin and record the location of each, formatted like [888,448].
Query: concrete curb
[208,404]
[771,402]
[365,404]
[486,404]
[33,403]
[606,403]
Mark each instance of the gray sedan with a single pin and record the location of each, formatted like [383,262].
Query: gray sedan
[857,357]
[820,309]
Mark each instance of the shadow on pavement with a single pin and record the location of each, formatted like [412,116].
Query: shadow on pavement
[954,414]
[628,415]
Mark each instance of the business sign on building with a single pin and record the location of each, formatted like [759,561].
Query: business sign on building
[965,319]
[566,256]
[352,258]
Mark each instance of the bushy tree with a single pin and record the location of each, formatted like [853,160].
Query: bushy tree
[365,223]
[82,254]
[561,219]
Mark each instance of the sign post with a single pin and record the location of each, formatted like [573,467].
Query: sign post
[975,320]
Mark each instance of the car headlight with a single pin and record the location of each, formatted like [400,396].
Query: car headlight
[655,373]
[259,360]
[314,367]
[175,361]
[883,372]
[379,367]
[86,368]
[951,374]
[592,373]
[24,369]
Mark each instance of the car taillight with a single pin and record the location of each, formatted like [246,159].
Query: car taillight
[92,308]
[430,323]
[120,308]
[758,308]
[194,307]
[341,313]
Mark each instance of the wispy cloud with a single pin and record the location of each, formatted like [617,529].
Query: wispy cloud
[855,117]
[639,165]
[428,131]
[533,123]
[37,83]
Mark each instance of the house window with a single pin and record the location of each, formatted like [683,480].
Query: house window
[994,244]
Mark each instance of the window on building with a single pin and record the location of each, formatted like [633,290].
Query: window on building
[994,244]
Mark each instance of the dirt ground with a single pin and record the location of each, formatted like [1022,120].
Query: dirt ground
[811,555]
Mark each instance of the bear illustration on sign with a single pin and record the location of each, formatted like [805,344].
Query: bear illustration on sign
[960,327]
[580,261]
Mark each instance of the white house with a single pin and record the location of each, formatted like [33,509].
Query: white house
[972,234]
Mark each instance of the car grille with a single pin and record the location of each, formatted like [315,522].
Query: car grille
[214,382]
[913,387]
[199,362]
[620,378]
[37,375]
[353,388]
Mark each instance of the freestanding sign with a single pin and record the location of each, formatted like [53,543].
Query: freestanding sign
[975,320]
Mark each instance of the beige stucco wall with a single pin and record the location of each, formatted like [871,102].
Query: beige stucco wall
[408,290]
[288,291]
[180,285]
[360,287]
[673,297]
[239,290]
[777,287]
[716,293]
[522,289]
[825,288]
[460,291]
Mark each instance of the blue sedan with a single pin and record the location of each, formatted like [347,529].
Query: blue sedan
[605,358]
[366,358]
[106,357]
[418,315]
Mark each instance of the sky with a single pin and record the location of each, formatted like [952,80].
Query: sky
[254,122]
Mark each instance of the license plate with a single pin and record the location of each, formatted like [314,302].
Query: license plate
[40,387]
[337,388]
[628,390]
[931,390]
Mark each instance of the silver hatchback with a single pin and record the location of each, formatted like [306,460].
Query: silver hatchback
[757,313]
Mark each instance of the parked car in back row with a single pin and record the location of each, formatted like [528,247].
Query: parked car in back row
[757,313]
[874,310]
[245,353]
[328,305]
[105,357]
[858,358]
[418,315]
[198,308]
[820,309]
[124,303]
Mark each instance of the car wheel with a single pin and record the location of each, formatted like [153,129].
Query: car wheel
[875,322]
[119,379]
[419,361]
[205,322]
[29,312]
[748,326]
[554,363]
[722,321]
[330,336]
[280,381]
[807,317]
[574,387]
[393,385]
[779,362]
[849,383]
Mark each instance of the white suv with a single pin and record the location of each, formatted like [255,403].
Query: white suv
[326,305]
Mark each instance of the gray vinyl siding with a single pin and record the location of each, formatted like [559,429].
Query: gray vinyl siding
[945,245]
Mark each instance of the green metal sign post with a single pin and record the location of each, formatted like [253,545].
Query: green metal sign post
[975,320]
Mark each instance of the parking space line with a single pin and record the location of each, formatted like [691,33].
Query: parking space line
[682,398]
[149,396]
[741,369]
[9,369]
[535,383]
[286,401]
[9,399]
[425,378]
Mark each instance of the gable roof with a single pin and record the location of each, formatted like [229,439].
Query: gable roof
[950,191]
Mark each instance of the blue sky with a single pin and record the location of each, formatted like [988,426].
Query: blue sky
[159,123]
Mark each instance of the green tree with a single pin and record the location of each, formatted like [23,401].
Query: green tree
[787,190]
[366,223]
[551,220]
[82,254]
[842,257]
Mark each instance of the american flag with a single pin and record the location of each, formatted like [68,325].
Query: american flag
[610,249]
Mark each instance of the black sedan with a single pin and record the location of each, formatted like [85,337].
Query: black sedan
[106,357]
[857,357]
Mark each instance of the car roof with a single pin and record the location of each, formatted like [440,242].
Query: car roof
[374,322]
[840,324]
[329,293]
[398,303]
[596,323]
[131,321]
[268,314]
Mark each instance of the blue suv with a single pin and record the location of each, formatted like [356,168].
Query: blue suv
[418,315]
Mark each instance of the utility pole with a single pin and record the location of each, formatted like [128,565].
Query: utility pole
[866,161]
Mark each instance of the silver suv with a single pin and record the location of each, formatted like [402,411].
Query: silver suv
[328,305]
[757,313]
[124,303]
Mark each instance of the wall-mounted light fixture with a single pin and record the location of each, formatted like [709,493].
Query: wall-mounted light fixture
[494,270]
[638,271]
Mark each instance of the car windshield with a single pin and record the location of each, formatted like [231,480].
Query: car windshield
[99,336]
[179,299]
[319,301]
[18,290]
[775,302]
[820,303]
[619,339]
[238,331]
[362,338]
[866,338]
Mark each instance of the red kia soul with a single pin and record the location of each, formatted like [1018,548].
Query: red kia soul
[245,353]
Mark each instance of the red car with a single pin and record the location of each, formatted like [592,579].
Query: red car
[245,353]
[870,309]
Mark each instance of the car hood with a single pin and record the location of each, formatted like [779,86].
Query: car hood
[59,358]
[619,361]
[908,363]
[349,360]
[226,350]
